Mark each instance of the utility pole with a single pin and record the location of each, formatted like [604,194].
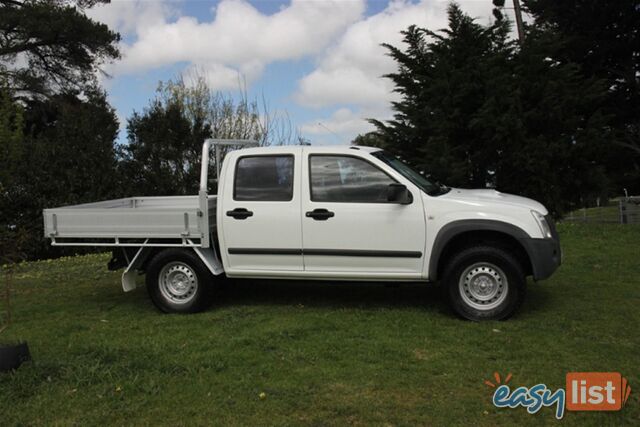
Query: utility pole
[518,13]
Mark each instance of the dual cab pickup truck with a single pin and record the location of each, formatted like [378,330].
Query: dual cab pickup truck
[323,213]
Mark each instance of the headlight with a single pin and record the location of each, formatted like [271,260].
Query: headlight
[542,223]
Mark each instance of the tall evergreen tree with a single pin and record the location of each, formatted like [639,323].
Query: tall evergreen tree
[603,38]
[57,141]
[49,46]
[478,111]
[550,140]
[11,140]
[442,80]
[162,156]
[67,157]
[11,136]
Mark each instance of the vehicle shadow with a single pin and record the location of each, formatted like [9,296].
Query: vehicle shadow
[340,295]
[331,294]
[539,298]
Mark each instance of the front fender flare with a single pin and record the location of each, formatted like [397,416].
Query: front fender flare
[455,228]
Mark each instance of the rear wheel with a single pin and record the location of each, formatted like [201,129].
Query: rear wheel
[484,283]
[178,281]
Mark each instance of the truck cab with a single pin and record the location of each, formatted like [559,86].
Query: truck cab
[358,213]
[353,213]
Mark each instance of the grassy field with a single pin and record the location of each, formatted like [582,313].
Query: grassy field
[277,353]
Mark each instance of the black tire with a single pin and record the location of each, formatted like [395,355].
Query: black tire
[192,277]
[489,273]
[13,355]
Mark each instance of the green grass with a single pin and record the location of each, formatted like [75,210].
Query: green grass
[324,354]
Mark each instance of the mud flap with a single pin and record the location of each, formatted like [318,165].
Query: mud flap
[210,259]
[129,275]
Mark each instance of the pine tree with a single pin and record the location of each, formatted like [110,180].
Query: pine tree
[477,110]
[51,46]
[11,136]
[603,39]
[67,156]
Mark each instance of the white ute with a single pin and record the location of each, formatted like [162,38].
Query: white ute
[322,213]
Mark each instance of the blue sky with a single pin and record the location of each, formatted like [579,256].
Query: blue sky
[318,60]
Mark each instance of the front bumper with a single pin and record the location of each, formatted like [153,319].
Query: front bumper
[545,254]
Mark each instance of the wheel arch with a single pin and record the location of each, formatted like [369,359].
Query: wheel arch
[136,260]
[464,233]
[208,256]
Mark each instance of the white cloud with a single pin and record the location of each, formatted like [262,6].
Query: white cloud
[128,16]
[342,121]
[342,125]
[220,77]
[348,84]
[351,70]
[239,39]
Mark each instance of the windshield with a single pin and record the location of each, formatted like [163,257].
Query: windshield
[432,189]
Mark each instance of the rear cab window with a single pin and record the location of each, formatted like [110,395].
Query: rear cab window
[264,178]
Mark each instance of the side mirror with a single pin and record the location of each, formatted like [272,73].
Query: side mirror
[398,193]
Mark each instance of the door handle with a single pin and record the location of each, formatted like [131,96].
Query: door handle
[240,213]
[320,214]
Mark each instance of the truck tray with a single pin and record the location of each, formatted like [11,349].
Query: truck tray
[175,221]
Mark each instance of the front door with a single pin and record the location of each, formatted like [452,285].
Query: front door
[349,227]
[261,218]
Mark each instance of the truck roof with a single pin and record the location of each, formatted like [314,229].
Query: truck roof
[334,149]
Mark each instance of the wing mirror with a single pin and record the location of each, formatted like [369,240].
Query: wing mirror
[398,193]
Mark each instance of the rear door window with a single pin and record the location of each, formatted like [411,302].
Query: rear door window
[264,179]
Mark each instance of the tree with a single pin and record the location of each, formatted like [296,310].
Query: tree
[162,156]
[442,80]
[11,140]
[11,136]
[369,139]
[230,117]
[478,111]
[57,130]
[551,134]
[67,157]
[603,39]
[50,46]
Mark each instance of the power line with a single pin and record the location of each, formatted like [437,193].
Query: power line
[330,131]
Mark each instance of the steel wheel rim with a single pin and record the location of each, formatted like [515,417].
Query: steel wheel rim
[483,286]
[178,282]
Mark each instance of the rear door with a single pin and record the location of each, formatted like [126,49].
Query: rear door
[349,227]
[260,215]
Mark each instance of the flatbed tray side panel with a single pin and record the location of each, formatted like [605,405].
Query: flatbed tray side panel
[160,219]
[139,203]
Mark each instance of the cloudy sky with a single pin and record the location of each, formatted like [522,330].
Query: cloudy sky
[318,60]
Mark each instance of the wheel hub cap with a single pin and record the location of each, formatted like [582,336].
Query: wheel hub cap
[483,286]
[178,282]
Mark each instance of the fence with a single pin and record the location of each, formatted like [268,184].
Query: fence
[630,210]
[624,211]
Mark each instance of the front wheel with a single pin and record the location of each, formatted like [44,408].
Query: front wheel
[178,281]
[484,283]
